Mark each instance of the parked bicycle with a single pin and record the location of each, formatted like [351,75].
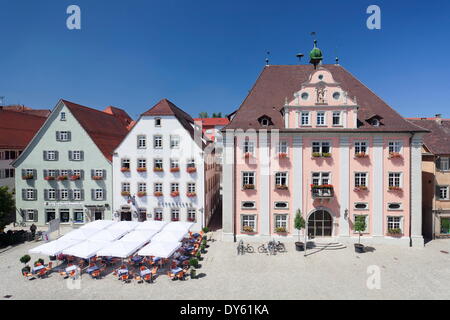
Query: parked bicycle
[242,249]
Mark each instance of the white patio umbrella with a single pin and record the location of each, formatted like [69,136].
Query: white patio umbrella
[142,236]
[108,235]
[120,249]
[160,249]
[98,224]
[79,234]
[178,226]
[124,225]
[152,225]
[53,248]
[170,236]
[86,249]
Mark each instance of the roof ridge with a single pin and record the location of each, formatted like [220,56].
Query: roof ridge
[89,108]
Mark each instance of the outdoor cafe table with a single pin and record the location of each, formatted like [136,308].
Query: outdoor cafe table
[176,270]
[183,258]
[37,269]
[71,268]
[145,272]
[122,271]
[92,269]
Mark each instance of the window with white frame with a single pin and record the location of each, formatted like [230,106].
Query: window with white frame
[361,147]
[77,172]
[321,147]
[174,142]
[142,163]
[321,178]
[126,187]
[281,221]
[395,146]
[175,214]
[191,215]
[51,155]
[76,155]
[174,163]
[158,163]
[320,118]
[248,179]
[158,212]
[305,118]
[99,173]
[30,215]
[63,136]
[126,163]
[50,173]
[98,194]
[366,221]
[77,194]
[174,187]
[64,215]
[65,172]
[158,122]
[63,116]
[281,179]
[141,142]
[282,147]
[249,147]
[337,118]
[191,188]
[444,164]
[361,179]
[191,163]
[158,187]
[248,205]
[51,194]
[395,179]
[157,142]
[395,223]
[30,194]
[63,194]
[443,193]
[142,187]
[248,223]
[78,215]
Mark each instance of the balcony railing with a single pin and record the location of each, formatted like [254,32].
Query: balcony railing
[322,192]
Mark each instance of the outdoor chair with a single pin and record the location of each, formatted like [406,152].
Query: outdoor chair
[181,275]
[95,274]
[27,275]
[42,273]
[49,267]
[171,275]
[148,278]
[72,274]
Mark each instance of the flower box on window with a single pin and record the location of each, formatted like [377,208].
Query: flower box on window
[174,169]
[158,194]
[248,155]
[395,231]
[142,194]
[325,191]
[282,155]
[191,194]
[125,193]
[28,177]
[249,187]
[321,155]
[248,229]
[281,187]
[326,155]
[361,188]
[158,218]
[158,169]
[175,219]
[125,169]
[97,178]
[49,178]
[395,188]
[191,219]
[191,169]
[361,155]
[394,155]
[175,194]
[141,169]
[280,230]
[63,178]
[75,178]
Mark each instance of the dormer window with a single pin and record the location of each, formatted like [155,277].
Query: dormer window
[265,121]
[305,96]
[375,120]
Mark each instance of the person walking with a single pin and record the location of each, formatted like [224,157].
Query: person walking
[33,231]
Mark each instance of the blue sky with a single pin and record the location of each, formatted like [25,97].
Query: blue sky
[205,55]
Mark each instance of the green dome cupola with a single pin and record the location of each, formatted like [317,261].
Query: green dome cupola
[315,55]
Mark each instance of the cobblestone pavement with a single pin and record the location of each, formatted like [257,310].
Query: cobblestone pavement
[405,273]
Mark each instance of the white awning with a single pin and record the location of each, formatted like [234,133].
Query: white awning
[98,224]
[152,225]
[79,234]
[124,225]
[142,236]
[86,249]
[170,236]
[160,249]
[53,248]
[108,235]
[178,226]
[120,249]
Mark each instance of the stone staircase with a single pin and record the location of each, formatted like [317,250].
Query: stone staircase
[326,246]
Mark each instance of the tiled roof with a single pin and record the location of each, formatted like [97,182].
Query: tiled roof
[23,109]
[18,128]
[276,83]
[106,130]
[120,114]
[211,122]
[437,141]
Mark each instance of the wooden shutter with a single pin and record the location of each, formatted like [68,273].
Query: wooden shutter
[70,194]
[56,155]
[45,173]
[35,194]
[46,194]
[70,155]
[34,174]
[58,136]
[35,216]
[81,174]
[81,155]
[104,195]
[81,195]
[93,194]
[438,163]
[69,136]
[104,174]
[92,173]
[45,156]
[24,194]
[23,172]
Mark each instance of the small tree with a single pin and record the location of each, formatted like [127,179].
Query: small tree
[360,226]
[7,207]
[299,222]
[203,115]
[25,259]
[193,262]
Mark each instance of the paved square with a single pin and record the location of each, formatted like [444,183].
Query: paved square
[405,273]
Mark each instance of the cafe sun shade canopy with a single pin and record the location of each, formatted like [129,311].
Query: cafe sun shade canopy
[142,236]
[99,224]
[160,249]
[169,236]
[53,248]
[126,226]
[120,249]
[108,235]
[86,249]
[79,234]
[178,226]
[152,225]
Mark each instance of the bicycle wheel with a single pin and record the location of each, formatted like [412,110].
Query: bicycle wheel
[281,247]
[262,249]
[250,249]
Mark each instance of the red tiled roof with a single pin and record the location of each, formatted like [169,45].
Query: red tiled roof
[18,128]
[23,109]
[276,83]
[106,130]
[213,121]
[120,114]
[438,139]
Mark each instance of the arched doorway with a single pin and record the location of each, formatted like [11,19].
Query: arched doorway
[320,224]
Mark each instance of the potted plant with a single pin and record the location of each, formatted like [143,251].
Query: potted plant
[199,256]
[394,188]
[142,194]
[395,231]
[62,178]
[193,262]
[25,259]
[75,177]
[125,193]
[249,187]
[281,187]
[191,194]
[394,155]
[125,169]
[316,154]
[49,178]
[326,155]
[191,169]
[175,194]
[39,261]
[360,227]
[361,155]
[193,273]
[247,155]
[157,169]
[361,188]
[158,194]
[299,224]
[141,170]
[28,177]
[282,155]
[248,229]
[202,248]
[97,178]
[280,230]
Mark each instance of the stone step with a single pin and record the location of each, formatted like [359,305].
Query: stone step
[329,246]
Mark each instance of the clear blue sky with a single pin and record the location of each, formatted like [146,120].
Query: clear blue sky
[205,55]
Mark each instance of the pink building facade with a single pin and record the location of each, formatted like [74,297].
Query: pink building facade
[317,140]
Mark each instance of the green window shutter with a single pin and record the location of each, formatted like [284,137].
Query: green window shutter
[81,155]
[92,194]
[56,155]
[58,138]
[23,172]
[45,156]
[24,194]
[45,194]
[104,174]
[82,194]
[36,216]
[69,136]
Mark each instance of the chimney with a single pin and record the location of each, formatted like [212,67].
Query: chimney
[438,118]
